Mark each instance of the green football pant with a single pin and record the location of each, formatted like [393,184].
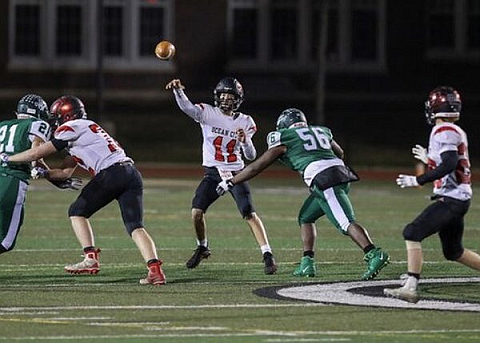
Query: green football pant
[332,202]
[12,200]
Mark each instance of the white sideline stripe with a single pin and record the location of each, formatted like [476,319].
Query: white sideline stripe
[241,334]
[80,318]
[151,307]
[339,293]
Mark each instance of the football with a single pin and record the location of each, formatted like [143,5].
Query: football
[165,50]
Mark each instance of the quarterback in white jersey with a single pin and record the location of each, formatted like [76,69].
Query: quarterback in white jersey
[227,135]
[449,170]
[114,178]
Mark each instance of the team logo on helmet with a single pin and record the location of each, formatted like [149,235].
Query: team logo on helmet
[228,85]
[66,108]
[34,106]
[291,117]
[443,102]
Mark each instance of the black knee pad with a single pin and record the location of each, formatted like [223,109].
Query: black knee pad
[247,216]
[132,227]
[247,212]
[452,253]
[412,233]
[77,209]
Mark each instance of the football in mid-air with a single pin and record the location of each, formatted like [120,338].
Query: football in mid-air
[165,50]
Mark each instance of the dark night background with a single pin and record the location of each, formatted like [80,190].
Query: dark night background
[382,58]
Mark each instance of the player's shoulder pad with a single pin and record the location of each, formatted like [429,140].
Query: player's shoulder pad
[67,131]
[251,127]
[274,139]
[40,129]
[447,134]
[325,130]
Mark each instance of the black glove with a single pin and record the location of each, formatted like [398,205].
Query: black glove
[70,183]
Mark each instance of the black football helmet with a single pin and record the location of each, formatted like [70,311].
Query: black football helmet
[228,85]
[291,117]
[68,107]
[442,102]
[34,106]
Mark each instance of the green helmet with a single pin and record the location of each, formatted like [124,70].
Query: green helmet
[33,105]
[291,117]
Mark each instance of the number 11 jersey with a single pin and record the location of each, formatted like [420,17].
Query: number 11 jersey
[221,147]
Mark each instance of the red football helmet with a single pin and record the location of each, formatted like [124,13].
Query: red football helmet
[443,102]
[68,107]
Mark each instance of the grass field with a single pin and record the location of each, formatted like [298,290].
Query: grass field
[217,302]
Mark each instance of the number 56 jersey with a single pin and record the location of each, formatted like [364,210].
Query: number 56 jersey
[90,145]
[221,147]
[309,150]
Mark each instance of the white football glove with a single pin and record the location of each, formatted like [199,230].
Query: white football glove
[224,187]
[420,153]
[4,159]
[407,181]
[38,173]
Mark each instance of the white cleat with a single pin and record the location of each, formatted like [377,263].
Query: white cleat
[402,293]
[90,265]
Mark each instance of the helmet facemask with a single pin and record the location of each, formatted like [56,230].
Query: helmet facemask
[228,86]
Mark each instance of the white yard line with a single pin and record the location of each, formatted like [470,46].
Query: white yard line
[151,307]
[251,333]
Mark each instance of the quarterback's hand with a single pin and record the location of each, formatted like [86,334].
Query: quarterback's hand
[241,136]
[420,153]
[4,159]
[224,187]
[73,182]
[38,173]
[407,181]
[174,84]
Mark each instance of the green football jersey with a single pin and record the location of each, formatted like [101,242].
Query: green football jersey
[17,135]
[304,145]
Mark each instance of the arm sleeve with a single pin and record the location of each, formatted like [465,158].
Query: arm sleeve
[449,162]
[59,144]
[249,150]
[193,111]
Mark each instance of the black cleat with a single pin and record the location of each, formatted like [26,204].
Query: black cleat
[198,255]
[270,265]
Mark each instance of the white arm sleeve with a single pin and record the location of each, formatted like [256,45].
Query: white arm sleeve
[193,111]
[249,150]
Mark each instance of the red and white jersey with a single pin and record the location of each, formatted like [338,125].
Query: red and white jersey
[90,146]
[450,137]
[221,148]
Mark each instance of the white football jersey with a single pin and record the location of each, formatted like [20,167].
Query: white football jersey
[90,146]
[221,148]
[450,137]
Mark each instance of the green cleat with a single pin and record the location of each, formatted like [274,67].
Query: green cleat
[306,267]
[376,259]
